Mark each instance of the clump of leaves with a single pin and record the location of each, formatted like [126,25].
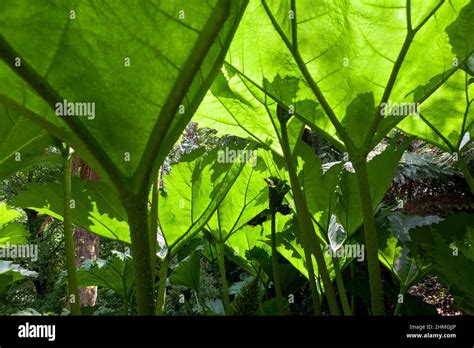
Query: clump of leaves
[428,182]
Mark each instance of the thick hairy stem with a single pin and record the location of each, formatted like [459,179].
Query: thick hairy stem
[312,283]
[346,308]
[224,288]
[160,302]
[370,234]
[137,212]
[305,223]
[73,291]
[276,270]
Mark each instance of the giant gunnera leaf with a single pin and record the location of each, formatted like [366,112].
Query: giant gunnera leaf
[118,81]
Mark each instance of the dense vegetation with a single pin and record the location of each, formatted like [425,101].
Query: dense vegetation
[236,157]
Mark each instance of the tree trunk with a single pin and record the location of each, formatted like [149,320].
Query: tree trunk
[87,245]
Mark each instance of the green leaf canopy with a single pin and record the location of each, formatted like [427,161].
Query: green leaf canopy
[345,58]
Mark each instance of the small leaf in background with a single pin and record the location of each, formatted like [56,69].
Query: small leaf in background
[97,207]
[401,224]
[245,199]
[11,273]
[14,233]
[216,307]
[115,274]
[192,192]
[11,231]
[394,253]
[188,272]
[8,214]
